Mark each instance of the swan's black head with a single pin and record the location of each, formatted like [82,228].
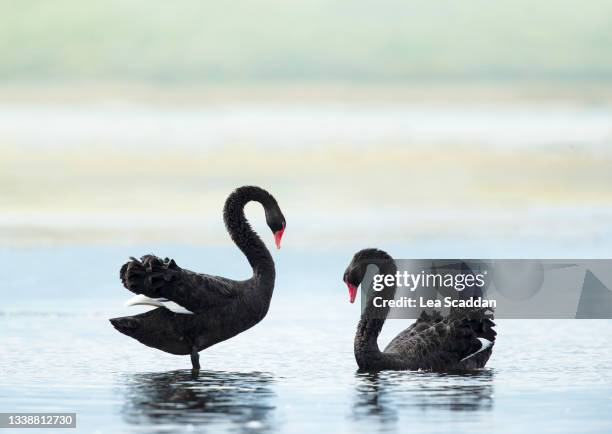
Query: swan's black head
[232,212]
[276,222]
[356,270]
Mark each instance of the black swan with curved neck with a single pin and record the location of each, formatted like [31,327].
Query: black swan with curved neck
[461,341]
[195,311]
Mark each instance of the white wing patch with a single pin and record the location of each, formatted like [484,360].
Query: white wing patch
[142,299]
[484,344]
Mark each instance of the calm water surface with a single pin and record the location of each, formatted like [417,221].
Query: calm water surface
[294,372]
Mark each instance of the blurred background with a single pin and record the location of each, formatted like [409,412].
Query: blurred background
[431,129]
[443,124]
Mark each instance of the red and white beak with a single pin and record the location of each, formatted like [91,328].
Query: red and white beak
[278,235]
[352,292]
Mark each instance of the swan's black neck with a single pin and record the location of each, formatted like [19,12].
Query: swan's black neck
[246,238]
[367,352]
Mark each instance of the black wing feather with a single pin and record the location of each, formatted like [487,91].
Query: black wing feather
[438,343]
[163,278]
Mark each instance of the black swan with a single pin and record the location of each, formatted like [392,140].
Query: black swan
[195,311]
[461,341]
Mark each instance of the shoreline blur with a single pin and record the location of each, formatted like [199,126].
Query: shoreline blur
[126,171]
[309,91]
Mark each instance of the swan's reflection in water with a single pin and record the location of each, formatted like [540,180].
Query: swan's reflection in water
[385,396]
[204,402]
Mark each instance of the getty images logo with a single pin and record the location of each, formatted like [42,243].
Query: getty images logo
[413,281]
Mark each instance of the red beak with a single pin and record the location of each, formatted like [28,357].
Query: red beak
[352,292]
[278,235]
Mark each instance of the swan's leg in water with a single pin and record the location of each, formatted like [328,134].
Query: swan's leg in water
[195,359]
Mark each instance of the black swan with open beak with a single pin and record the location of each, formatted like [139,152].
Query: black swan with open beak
[195,311]
[461,341]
